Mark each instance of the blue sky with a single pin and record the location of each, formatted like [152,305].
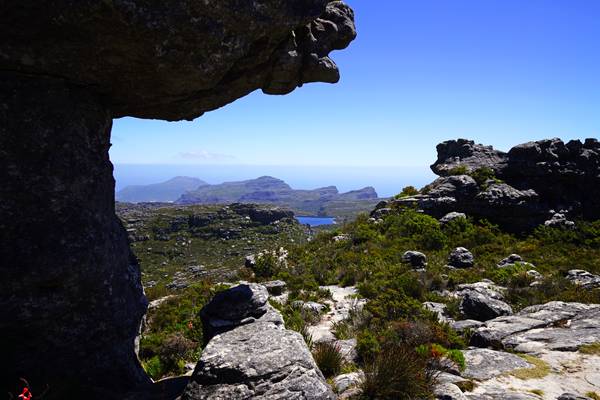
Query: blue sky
[501,72]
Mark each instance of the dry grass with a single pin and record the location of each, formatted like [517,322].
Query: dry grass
[539,370]
[397,373]
[593,348]
[328,357]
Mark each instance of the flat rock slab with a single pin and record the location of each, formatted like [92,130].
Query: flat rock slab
[552,326]
[257,361]
[483,364]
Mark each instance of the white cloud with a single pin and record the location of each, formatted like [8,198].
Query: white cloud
[203,155]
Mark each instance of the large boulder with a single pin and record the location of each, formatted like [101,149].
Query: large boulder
[415,259]
[71,296]
[467,154]
[477,306]
[585,279]
[257,358]
[461,258]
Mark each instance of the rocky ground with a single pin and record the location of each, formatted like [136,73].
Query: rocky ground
[179,245]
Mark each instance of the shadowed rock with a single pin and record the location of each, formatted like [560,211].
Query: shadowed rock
[71,296]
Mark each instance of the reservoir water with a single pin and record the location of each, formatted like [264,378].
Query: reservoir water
[316,221]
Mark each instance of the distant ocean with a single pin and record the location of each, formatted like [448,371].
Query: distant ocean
[387,181]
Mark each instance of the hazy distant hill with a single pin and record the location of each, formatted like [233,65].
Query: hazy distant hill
[167,191]
[271,190]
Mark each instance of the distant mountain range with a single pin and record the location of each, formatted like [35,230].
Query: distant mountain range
[264,190]
[168,191]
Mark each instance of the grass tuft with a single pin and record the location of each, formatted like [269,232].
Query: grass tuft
[539,370]
[593,348]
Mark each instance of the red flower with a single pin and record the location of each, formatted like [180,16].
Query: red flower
[26,395]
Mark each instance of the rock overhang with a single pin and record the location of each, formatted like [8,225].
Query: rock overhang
[178,59]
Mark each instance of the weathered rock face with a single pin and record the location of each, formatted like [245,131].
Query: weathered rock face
[532,181]
[261,214]
[462,152]
[255,357]
[558,175]
[552,326]
[179,59]
[71,294]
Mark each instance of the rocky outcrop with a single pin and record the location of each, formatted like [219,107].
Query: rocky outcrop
[484,364]
[519,189]
[585,279]
[464,153]
[552,326]
[71,295]
[251,355]
[262,215]
[177,60]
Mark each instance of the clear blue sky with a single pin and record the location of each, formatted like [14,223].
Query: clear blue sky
[501,72]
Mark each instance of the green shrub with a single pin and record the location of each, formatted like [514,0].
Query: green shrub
[367,345]
[266,265]
[459,170]
[397,373]
[328,357]
[407,192]
[154,368]
[483,174]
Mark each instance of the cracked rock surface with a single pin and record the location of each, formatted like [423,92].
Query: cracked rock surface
[258,359]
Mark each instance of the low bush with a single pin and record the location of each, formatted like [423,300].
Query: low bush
[328,357]
[397,373]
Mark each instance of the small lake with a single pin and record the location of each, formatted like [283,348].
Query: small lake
[316,221]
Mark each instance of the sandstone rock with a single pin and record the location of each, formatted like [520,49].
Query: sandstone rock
[415,259]
[451,216]
[480,307]
[275,288]
[438,308]
[485,287]
[466,153]
[347,381]
[199,56]
[448,391]
[466,324]
[251,354]
[250,261]
[583,278]
[460,258]
[483,364]
[571,396]
[510,260]
[348,349]
[535,178]
[71,295]
[552,326]
[559,220]
[261,215]
[257,361]
[242,304]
